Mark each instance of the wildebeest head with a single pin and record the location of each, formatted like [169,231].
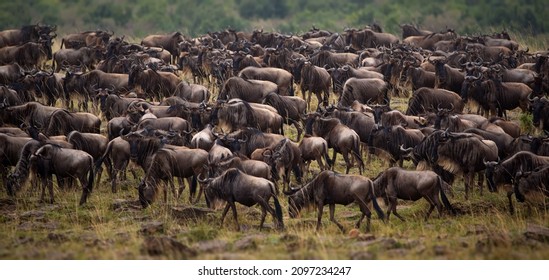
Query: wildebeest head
[520,185]
[379,109]
[538,106]
[495,173]
[147,193]
[470,83]
[297,199]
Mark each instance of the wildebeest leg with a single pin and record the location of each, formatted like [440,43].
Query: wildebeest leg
[169,184]
[50,189]
[511,208]
[393,208]
[44,186]
[227,206]
[334,156]
[114,177]
[480,181]
[332,218]
[263,215]
[347,162]
[320,207]
[299,129]
[307,166]
[431,208]
[365,213]
[233,206]
[98,176]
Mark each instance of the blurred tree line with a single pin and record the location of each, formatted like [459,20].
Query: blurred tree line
[196,17]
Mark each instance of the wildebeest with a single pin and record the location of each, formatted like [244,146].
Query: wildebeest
[386,142]
[315,79]
[11,73]
[428,41]
[339,137]
[447,77]
[155,84]
[48,86]
[25,169]
[246,89]
[368,38]
[65,163]
[410,30]
[530,183]
[328,59]
[503,173]
[506,96]
[168,163]
[172,124]
[27,55]
[62,122]
[397,183]
[98,38]
[117,156]
[291,108]
[282,78]
[203,139]
[10,149]
[251,167]
[247,140]
[192,92]
[283,157]
[29,112]
[333,188]
[237,113]
[364,90]
[92,143]
[27,33]
[540,112]
[85,56]
[464,153]
[314,148]
[426,99]
[169,42]
[235,186]
[417,77]
[342,74]
[85,84]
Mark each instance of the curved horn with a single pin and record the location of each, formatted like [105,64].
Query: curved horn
[265,153]
[203,181]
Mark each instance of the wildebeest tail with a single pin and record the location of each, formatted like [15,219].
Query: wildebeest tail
[326,156]
[292,86]
[87,189]
[193,186]
[100,160]
[356,153]
[375,204]
[445,198]
[278,208]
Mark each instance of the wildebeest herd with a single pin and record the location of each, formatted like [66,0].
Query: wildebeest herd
[227,132]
